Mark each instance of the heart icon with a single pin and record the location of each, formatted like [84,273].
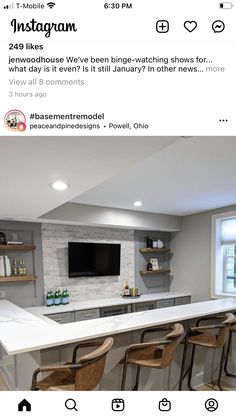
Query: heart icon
[190,25]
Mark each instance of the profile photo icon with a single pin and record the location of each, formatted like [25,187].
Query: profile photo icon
[15,120]
[211,405]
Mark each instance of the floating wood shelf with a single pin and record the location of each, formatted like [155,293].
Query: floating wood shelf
[155,272]
[154,250]
[22,247]
[18,278]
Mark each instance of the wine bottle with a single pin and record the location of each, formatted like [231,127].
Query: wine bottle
[149,266]
[126,288]
[14,268]
[23,268]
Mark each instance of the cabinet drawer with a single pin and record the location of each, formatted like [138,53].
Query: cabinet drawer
[114,311]
[165,303]
[182,300]
[145,306]
[87,314]
[61,317]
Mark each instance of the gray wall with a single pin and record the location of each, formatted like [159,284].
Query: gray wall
[25,293]
[92,215]
[155,283]
[191,262]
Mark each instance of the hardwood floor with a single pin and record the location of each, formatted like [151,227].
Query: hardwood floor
[3,385]
[229,384]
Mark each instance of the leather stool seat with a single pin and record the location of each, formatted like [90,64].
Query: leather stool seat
[153,354]
[203,339]
[149,357]
[61,378]
[81,374]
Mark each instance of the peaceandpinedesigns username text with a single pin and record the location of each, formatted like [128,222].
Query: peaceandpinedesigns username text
[47,28]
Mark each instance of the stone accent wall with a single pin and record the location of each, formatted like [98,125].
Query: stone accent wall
[55,238]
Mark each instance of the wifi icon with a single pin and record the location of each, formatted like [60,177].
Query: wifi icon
[51,4]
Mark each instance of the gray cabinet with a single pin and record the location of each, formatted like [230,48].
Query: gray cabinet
[95,313]
[114,311]
[62,318]
[182,300]
[151,305]
[87,314]
[165,303]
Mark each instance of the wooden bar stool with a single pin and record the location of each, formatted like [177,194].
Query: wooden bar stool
[82,374]
[155,354]
[212,336]
[227,372]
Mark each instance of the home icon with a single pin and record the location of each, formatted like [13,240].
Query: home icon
[24,405]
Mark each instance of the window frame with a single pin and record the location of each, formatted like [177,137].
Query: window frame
[217,256]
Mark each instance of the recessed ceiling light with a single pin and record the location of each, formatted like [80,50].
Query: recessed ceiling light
[59,185]
[138,203]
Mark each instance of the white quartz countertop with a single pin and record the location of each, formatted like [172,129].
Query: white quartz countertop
[105,302]
[20,331]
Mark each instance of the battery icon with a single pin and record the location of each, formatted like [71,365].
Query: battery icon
[226,5]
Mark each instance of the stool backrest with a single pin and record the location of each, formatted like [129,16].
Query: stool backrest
[174,338]
[228,320]
[92,365]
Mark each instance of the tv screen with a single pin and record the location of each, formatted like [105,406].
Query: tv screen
[93,259]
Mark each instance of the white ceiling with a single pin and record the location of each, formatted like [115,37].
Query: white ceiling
[189,176]
[30,164]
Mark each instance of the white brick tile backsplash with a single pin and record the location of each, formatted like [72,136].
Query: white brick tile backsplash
[55,238]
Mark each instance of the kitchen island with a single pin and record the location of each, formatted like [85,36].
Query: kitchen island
[28,341]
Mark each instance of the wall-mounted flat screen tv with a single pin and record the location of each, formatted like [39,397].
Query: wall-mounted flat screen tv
[93,259]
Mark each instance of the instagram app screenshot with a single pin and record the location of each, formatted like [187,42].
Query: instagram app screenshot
[117,208]
[97,68]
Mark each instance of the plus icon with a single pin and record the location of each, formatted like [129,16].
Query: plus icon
[162,26]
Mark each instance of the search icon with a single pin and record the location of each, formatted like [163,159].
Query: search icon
[71,404]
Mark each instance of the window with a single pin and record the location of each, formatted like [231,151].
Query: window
[224,254]
[229,271]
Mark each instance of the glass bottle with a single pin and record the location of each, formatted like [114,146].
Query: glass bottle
[23,267]
[20,268]
[48,299]
[64,297]
[56,298]
[126,288]
[14,267]
[149,266]
[68,296]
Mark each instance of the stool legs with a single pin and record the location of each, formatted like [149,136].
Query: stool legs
[189,371]
[182,373]
[124,372]
[223,355]
[191,368]
[229,374]
[135,388]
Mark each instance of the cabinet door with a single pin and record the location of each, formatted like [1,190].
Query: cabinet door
[145,306]
[114,311]
[62,317]
[165,303]
[182,300]
[87,314]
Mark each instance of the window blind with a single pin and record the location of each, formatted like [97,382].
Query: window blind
[228,231]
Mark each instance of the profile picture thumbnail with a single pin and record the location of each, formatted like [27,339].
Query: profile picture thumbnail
[15,120]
